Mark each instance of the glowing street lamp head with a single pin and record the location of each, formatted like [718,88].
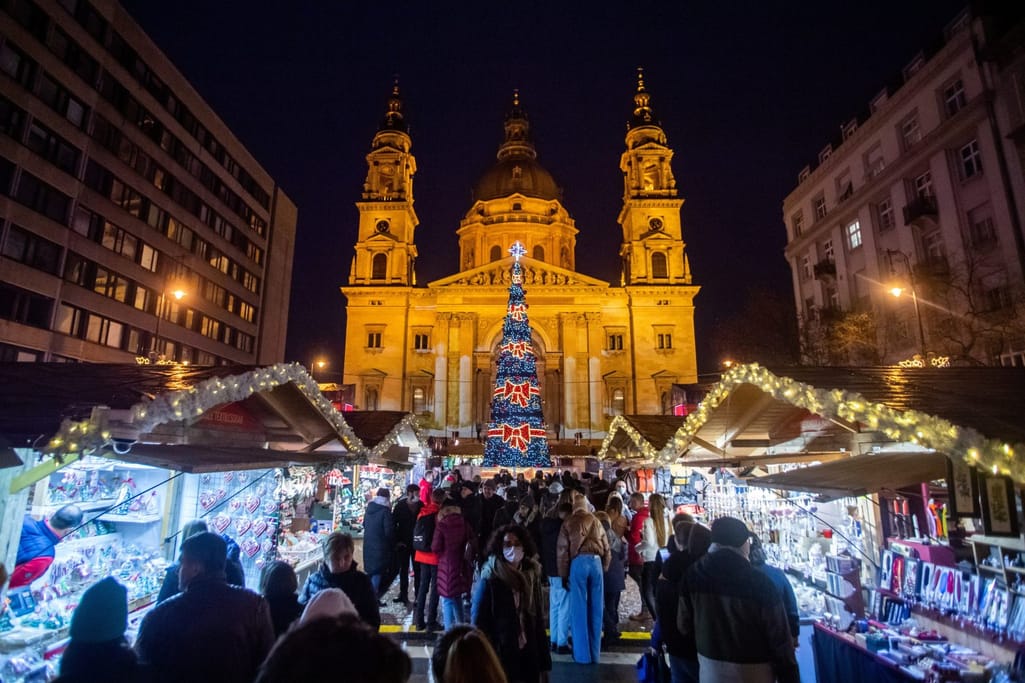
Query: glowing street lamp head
[321,364]
[178,294]
[896,291]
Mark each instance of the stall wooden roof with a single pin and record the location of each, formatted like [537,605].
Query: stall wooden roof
[158,414]
[753,414]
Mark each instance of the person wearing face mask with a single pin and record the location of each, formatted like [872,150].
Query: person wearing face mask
[339,570]
[508,606]
[619,490]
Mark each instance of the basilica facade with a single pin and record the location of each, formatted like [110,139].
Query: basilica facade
[603,348]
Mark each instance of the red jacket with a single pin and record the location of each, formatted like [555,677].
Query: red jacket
[422,556]
[425,491]
[633,536]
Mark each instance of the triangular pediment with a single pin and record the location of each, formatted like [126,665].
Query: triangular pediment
[535,273]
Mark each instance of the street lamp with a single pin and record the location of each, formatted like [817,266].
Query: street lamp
[897,292]
[178,293]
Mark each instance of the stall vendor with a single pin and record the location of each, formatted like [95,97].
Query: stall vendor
[38,539]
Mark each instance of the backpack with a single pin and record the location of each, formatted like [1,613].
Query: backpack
[423,532]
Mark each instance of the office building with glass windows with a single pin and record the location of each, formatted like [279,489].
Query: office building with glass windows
[133,223]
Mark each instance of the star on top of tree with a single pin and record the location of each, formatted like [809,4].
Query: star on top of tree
[517,250]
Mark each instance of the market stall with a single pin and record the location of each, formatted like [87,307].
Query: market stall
[890,494]
[143,449]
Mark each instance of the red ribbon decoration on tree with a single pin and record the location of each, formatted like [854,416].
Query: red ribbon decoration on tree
[517,437]
[517,393]
[518,349]
[518,311]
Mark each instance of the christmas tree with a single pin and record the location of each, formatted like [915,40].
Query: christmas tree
[516,433]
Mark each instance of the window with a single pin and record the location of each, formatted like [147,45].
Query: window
[832,296]
[422,342]
[496,253]
[954,98]
[803,175]
[934,249]
[618,406]
[887,218]
[42,198]
[806,269]
[819,203]
[659,266]
[797,223]
[844,186]
[539,253]
[971,160]
[61,101]
[827,251]
[373,340]
[53,148]
[15,64]
[517,206]
[849,128]
[874,162]
[664,340]
[371,398]
[32,250]
[998,298]
[826,152]
[910,133]
[923,185]
[12,119]
[419,400]
[853,233]
[981,230]
[379,267]
[913,67]
[615,342]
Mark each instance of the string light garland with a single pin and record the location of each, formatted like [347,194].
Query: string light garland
[86,437]
[904,426]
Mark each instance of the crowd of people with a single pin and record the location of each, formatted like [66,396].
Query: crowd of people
[504,560]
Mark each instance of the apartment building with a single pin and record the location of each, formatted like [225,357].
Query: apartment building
[907,231]
[133,223]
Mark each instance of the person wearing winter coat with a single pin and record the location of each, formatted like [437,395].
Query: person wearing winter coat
[455,545]
[210,632]
[635,558]
[278,586]
[558,597]
[759,561]
[613,582]
[490,503]
[583,555]
[339,570]
[735,614]
[427,593]
[379,541]
[655,534]
[508,605]
[691,541]
[404,517]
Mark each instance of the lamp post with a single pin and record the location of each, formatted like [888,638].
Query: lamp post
[178,294]
[898,291]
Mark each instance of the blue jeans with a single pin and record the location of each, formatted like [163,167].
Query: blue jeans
[683,670]
[558,611]
[452,611]
[586,605]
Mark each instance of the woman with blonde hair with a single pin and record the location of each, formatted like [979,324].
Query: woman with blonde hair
[464,655]
[617,520]
[654,536]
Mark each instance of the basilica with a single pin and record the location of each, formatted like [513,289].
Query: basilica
[603,349]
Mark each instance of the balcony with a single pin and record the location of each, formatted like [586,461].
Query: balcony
[825,270]
[920,207]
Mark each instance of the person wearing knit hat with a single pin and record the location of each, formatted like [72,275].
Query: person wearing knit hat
[330,602]
[98,650]
[734,614]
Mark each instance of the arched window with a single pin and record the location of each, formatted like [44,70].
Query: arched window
[496,253]
[371,395]
[539,253]
[618,401]
[379,267]
[659,267]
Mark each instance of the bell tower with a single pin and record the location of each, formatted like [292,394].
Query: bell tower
[653,250]
[385,252]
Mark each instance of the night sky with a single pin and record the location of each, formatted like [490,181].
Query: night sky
[747,94]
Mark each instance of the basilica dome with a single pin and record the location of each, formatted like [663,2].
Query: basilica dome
[517,170]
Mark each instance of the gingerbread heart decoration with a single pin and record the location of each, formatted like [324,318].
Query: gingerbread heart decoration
[235,505]
[252,504]
[259,527]
[220,494]
[270,507]
[221,522]
[266,545]
[243,477]
[207,500]
[229,477]
[250,547]
[242,525]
